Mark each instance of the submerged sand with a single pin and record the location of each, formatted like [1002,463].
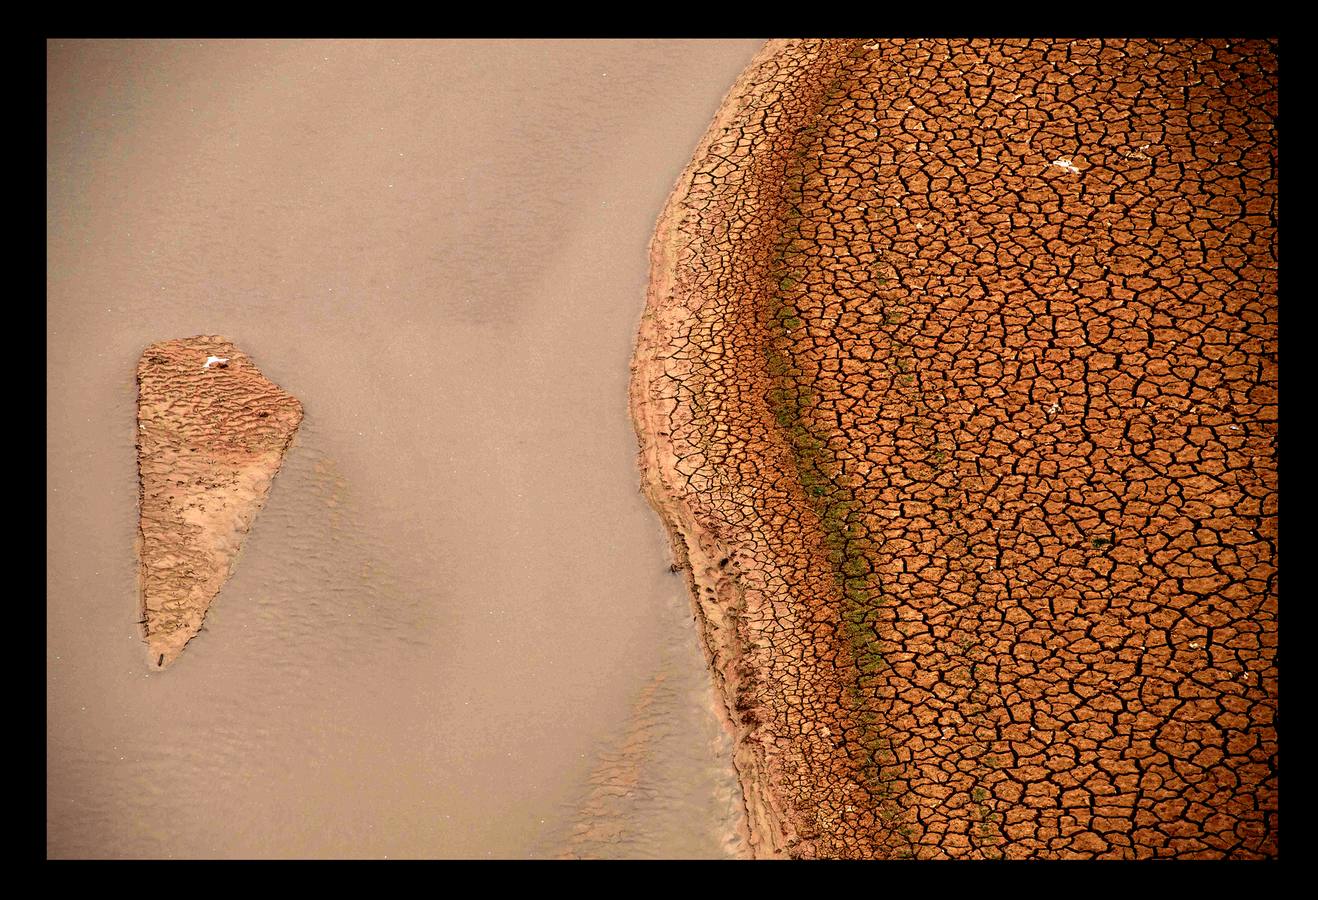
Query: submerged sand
[448,616]
[956,390]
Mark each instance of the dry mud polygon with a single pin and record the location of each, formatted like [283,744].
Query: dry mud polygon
[957,390]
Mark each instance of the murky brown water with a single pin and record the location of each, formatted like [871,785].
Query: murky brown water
[452,632]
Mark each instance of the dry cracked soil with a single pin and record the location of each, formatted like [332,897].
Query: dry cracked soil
[957,390]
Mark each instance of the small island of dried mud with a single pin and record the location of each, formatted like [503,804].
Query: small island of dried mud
[957,391]
[212,432]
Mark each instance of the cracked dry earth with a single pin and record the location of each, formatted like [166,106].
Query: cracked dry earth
[211,435]
[957,390]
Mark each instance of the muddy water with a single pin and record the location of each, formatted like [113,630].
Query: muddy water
[452,631]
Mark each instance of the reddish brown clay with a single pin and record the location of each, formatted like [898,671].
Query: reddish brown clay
[957,389]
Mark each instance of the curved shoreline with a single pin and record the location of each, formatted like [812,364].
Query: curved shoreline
[712,561]
[656,460]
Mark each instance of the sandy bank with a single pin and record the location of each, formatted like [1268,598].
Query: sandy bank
[723,578]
